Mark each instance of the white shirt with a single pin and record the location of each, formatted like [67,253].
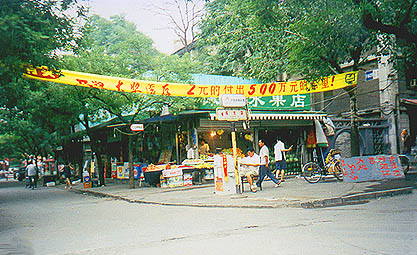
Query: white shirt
[264,152]
[31,170]
[278,151]
[254,160]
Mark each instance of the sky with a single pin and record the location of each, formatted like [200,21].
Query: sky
[147,21]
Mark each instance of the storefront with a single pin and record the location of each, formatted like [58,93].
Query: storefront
[183,133]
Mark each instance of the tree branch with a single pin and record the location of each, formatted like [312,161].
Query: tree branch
[399,32]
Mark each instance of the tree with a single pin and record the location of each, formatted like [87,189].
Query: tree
[396,22]
[184,16]
[32,33]
[114,47]
[263,39]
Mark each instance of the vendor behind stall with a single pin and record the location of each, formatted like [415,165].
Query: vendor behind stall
[204,149]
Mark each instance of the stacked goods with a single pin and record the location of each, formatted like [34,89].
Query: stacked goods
[230,152]
[192,162]
[204,165]
[188,180]
[293,164]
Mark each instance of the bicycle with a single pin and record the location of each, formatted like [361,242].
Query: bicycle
[313,172]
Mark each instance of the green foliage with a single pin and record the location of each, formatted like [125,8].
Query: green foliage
[244,38]
[263,39]
[114,47]
[33,32]
[396,24]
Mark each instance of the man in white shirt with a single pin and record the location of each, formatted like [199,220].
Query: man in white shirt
[264,169]
[31,172]
[250,167]
[279,151]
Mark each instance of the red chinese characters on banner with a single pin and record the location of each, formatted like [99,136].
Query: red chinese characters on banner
[215,90]
[203,90]
[91,84]
[294,86]
[151,89]
[42,73]
[119,85]
[134,87]
[165,90]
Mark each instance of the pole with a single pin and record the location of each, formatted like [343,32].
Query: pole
[131,174]
[233,129]
[177,148]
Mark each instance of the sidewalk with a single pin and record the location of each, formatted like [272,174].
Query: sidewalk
[293,192]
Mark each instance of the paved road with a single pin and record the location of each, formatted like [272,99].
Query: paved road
[54,221]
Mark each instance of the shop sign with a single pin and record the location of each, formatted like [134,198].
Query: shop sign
[172,172]
[371,75]
[371,168]
[231,114]
[233,100]
[287,102]
[137,127]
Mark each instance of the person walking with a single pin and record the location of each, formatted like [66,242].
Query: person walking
[31,172]
[66,168]
[264,169]
[279,151]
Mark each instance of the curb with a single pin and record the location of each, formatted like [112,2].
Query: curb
[360,198]
[105,195]
[355,199]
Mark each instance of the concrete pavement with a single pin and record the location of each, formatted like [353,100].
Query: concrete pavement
[294,192]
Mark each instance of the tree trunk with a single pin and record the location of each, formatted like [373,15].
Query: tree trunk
[354,126]
[131,174]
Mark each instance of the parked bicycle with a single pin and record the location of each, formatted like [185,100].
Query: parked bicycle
[313,172]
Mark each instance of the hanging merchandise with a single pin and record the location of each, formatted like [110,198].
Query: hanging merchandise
[320,136]
[248,137]
[311,139]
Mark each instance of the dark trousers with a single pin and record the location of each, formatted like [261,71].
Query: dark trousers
[264,171]
[32,181]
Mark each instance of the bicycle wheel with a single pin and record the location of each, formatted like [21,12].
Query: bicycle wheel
[337,171]
[312,172]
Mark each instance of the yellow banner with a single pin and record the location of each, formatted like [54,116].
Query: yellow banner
[191,90]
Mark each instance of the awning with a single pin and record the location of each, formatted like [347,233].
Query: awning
[174,117]
[281,116]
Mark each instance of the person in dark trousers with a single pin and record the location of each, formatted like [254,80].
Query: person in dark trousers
[279,151]
[67,173]
[406,139]
[31,172]
[264,169]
